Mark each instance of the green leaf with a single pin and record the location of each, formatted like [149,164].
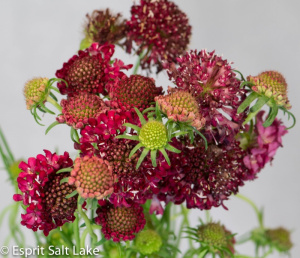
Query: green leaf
[148,109]
[64,180]
[55,123]
[71,194]
[202,136]
[64,170]
[272,115]
[246,103]
[128,137]
[178,134]
[153,157]
[141,117]
[135,127]
[134,150]
[143,155]
[165,155]
[157,113]
[81,200]
[172,149]
[74,135]
[203,253]
[101,242]
[259,104]
[94,204]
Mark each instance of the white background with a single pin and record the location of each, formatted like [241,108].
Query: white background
[38,36]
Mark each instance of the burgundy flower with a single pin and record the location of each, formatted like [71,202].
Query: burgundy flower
[160,30]
[134,91]
[103,26]
[43,194]
[79,108]
[90,70]
[120,223]
[216,88]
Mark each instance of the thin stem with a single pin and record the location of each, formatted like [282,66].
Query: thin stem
[258,213]
[54,103]
[88,225]
[137,64]
[76,231]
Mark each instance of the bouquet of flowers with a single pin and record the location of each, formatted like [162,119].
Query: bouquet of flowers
[146,154]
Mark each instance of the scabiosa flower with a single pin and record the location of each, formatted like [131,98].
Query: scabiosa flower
[120,223]
[103,26]
[35,91]
[280,238]
[134,91]
[181,106]
[79,108]
[268,88]
[216,88]
[90,70]
[92,176]
[104,128]
[160,29]
[216,237]
[261,143]
[211,175]
[43,194]
[148,242]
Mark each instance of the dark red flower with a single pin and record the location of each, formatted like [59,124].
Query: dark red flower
[216,88]
[90,70]
[160,30]
[120,223]
[42,193]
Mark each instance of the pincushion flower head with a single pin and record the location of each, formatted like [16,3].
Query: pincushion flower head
[44,194]
[214,239]
[280,238]
[180,105]
[92,177]
[134,91]
[79,108]
[153,136]
[90,70]
[212,81]
[148,242]
[120,223]
[160,30]
[268,88]
[102,27]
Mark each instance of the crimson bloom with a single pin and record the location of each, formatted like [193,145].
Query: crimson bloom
[42,193]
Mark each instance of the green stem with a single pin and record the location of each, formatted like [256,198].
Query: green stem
[88,225]
[76,232]
[267,253]
[54,103]
[137,64]
[258,213]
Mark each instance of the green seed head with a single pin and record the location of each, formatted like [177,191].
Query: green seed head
[153,135]
[213,234]
[280,237]
[148,242]
[34,91]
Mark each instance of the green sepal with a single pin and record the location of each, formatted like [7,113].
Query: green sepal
[157,113]
[153,157]
[178,134]
[94,204]
[128,137]
[81,200]
[172,149]
[71,194]
[53,96]
[259,104]
[134,150]
[46,109]
[64,180]
[135,127]
[246,103]
[55,123]
[163,151]
[242,77]
[143,155]
[74,135]
[140,115]
[271,117]
[148,109]
[290,114]
[202,136]
[64,170]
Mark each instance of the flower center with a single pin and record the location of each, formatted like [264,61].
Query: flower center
[153,135]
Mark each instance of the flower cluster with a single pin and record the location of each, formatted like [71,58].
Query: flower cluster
[140,150]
